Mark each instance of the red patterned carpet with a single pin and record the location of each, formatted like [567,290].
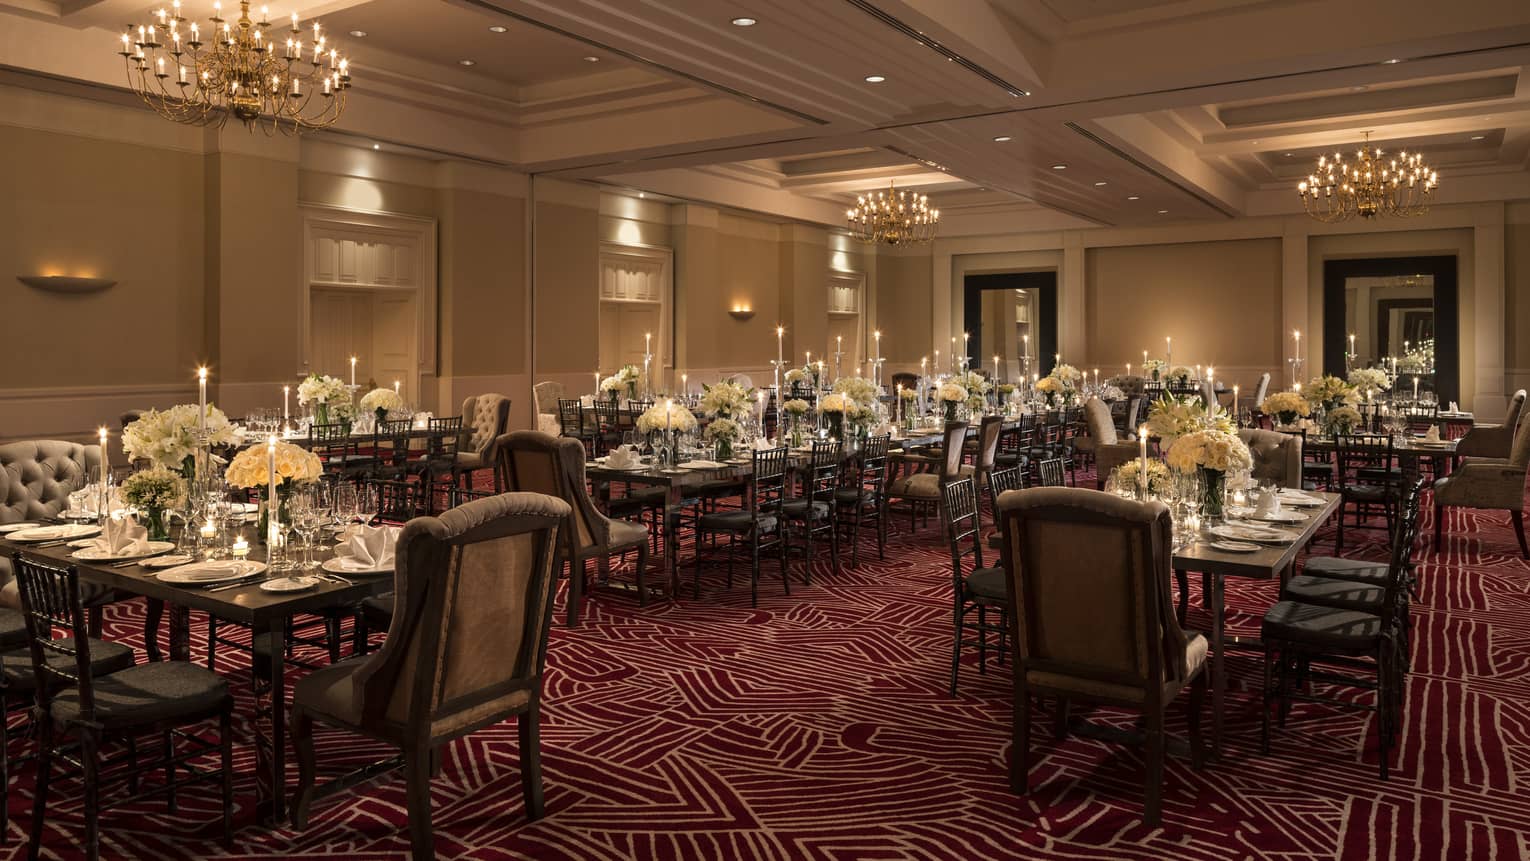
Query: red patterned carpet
[818,726]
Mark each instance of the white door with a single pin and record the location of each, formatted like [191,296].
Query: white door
[394,345]
[376,326]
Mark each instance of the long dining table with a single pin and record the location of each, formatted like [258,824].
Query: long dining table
[246,604]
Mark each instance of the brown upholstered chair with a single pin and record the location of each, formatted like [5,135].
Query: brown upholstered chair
[1496,485]
[1277,456]
[532,461]
[485,419]
[1493,442]
[544,402]
[921,490]
[1109,450]
[465,649]
[1096,623]
[36,478]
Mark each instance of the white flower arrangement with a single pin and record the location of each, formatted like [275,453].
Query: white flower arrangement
[1170,418]
[722,429]
[1370,379]
[676,417]
[1180,374]
[1110,393]
[153,489]
[1210,449]
[294,464]
[796,407]
[976,402]
[1286,403]
[1151,365]
[1068,374]
[323,390]
[835,403]
[726,399]
[911,394]
[858,389]
[1343,420]
[1128,474]
[1330,390]
[974,382]
[622,379]
[951,392]
[796,375]
[859,414]
[168,438]
[381,399]
[1051,385]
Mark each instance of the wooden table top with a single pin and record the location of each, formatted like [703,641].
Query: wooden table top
[1269,560]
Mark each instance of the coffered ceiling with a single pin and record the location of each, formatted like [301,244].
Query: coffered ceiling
[1102,112]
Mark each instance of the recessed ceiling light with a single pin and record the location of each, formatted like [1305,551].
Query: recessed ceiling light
[466,62]
[1163,212]
[874,79]
[1100,184]
[1479,137]
[1132,197]
[1255,143]
[1359,89]
[360,34]
[642,194]
[592,59]
[376,146]
[1288,155]
[1391,62]
[1001,139]
[497,28]
[1059,167]
[743,22]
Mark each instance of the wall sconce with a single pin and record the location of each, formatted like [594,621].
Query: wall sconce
[65,283]
[741,313]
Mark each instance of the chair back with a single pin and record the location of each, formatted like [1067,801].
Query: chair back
[988,442]
[398,502]
[1519,453]
[37,476]
[1516,407]
[570,416]
[50,598]
[535,462]
[1262,388]
[1049,472]
[608,415]
[1001,481]
[954,439]
[959,509]
[545,397]
[767,483]
[391,442]
[1101,428]
[445,436]
[1101,612]
[823,470]
[1356,452]
[1277,456]
[474,598]
[487,418]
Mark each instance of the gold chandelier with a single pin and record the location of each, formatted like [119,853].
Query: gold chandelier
[1368,187]
[237,69]
[893,217]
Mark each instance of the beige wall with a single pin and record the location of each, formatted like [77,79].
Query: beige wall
[1219,301]
[1517,299]
[903,294]
[565,281]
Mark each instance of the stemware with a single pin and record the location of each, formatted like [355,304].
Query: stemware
[366,505]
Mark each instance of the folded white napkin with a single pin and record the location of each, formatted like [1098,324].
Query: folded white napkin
[1454,407]
[622,457]
[587,400]
[368,548]
[1267,504]
[1433,434]
[763,444]
[123,537]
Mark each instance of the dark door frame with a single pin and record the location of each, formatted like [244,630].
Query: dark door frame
[1044,282]
[1447,336]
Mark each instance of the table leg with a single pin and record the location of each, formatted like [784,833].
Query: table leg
[154,612]
[1218,661]
[672,539]
[180,633]
[273,807]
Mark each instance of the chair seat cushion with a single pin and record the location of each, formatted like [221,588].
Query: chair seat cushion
[1369,492]
[736,521]
[330,692]
[796,508]
[1340,594]
[1334,568]
[378,611]
[1195,657]
[105,657]
[13,629]
[1321,627]
[989,583]
[147,693]
[625,533]
[920,485]
[469,460]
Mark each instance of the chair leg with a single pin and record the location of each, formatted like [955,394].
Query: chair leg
[169,742]
[226,750]
[529,725]
[956,645]
[1020,745]
[576,571]
[302,743]
[1265,695]
[1196,704]
[40,796]
[982,632]
[1060,720]
[89,745]
[5,770]
[1151,813]
[1518,518]
[855,541]
[1183,609]
[417,778]
[1439,525]
[641,577]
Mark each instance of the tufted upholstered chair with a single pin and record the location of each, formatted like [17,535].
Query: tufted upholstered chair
[485,418]
[541,463]
[1277,456]
[1494,442]
[1261,389]
[544,399]
[1110,451]
[922,490]
[1096,623]
[36,478]
[465,649]
[1491,484]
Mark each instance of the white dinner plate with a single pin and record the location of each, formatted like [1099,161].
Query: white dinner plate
[1257,534]
[702,464]
[169,560]
[1234,546]
[1300,501]
[17,527]
[300,583]
[344,565]
[208,573]
[1279,517]
[81,542]
[92,554]
[55,533]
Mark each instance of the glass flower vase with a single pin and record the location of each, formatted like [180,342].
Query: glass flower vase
[1213,494]
[158,525]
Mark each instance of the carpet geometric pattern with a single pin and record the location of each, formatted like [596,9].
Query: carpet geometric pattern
[819,726]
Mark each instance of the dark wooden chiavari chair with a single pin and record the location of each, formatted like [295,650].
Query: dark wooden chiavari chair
[760,526]
[861,500]
[815,512]
[979,589]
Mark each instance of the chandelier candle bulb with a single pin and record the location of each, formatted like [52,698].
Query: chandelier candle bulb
[1352,343]
[286,404]
[353,370]
[1142,462]
[273,521]
[1168,351]
[201,398]
[395,387]
[1296,336]
[1128,369]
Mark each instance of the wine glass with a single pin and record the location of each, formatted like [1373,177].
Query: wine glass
[346,504]
[366,505]
[313,517]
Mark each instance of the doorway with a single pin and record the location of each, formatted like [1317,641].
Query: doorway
[1011,316]
[1395,311]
